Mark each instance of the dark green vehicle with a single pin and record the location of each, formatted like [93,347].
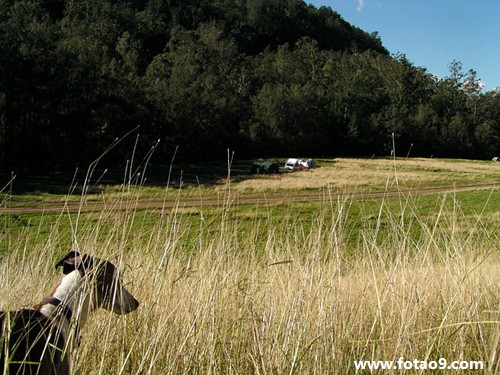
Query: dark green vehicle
[266,167]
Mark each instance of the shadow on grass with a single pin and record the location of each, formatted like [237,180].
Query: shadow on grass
[63,183]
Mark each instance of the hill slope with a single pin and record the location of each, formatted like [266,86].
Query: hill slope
[259,77]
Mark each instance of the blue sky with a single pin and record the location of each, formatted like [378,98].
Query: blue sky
[432,33]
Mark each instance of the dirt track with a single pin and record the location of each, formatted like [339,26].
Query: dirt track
[317,196]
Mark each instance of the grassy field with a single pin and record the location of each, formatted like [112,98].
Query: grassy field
[209,181]
[278,288]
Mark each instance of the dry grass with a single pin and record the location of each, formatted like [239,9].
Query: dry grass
[364,174]
[301,304]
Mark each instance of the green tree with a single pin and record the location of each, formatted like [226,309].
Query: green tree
[199,87]
[28,81]
[487,132]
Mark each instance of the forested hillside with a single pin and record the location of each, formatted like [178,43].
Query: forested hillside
[261,77]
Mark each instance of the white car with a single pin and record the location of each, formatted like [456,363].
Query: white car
[292,165]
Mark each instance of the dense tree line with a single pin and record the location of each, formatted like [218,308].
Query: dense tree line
[263,77]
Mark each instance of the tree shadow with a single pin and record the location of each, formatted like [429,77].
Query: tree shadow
[180,175]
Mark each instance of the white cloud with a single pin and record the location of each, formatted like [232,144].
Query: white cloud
[361,5]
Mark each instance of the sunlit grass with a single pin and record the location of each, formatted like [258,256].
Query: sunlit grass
[356,175]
